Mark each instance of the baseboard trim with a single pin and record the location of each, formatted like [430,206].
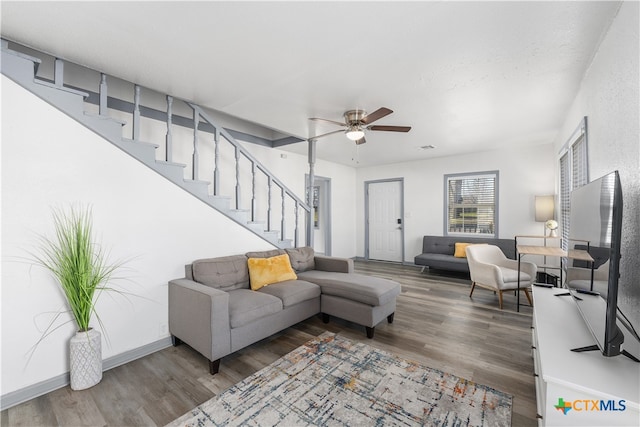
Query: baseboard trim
[30,392]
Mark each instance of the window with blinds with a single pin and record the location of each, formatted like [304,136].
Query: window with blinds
[471,203]
[573,174]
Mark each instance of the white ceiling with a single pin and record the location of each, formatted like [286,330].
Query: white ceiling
[467,76]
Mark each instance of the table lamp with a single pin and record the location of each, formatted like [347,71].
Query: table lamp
[545,211]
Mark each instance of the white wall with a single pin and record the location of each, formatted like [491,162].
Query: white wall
[524,173]
[609,96]
[49,160]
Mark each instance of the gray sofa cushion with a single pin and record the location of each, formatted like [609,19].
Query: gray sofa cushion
[246,306]
[224,273]
[265,254]
[302,259]
[442,261]
[292,292]
[365,289]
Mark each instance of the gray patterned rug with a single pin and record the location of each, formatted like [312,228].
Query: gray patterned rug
[333,381]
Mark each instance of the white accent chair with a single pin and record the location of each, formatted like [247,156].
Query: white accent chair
[491,269]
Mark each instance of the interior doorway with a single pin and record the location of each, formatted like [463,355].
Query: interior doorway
[321,201]
[384,213]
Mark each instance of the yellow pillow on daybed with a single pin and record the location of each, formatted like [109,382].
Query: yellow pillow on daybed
[266,271]
[461,250]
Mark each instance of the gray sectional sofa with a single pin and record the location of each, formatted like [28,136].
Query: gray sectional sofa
[214,310]
[438,251]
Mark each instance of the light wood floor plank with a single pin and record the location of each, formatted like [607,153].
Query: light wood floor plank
[436,323]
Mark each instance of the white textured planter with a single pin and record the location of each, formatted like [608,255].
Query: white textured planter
[85,354]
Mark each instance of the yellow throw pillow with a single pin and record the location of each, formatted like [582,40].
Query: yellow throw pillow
[461,250]
[266,271]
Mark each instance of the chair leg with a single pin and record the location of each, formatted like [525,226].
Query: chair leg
[500,299]
[473,286]
[526,292]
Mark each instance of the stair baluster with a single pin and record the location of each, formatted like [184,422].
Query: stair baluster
[269,187]
[103,95]
[237,177]
[196,154]
[283,221]
[136,113]
[253,191]
[169,138]
[58,72]
[216,166]
[296,230]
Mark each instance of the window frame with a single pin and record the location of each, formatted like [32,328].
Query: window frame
[495,174]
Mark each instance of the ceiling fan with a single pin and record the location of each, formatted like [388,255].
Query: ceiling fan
[357,121]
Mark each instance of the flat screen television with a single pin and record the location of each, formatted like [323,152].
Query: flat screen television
[595,228]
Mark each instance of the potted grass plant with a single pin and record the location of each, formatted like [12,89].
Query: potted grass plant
[80,267]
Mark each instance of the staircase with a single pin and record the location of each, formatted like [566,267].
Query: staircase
[193,143]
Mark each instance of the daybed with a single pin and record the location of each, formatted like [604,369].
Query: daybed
[216,310]
[438,251]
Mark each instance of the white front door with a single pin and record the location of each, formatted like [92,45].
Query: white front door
[384,220]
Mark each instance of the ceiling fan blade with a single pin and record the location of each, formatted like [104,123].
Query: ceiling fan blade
[316,119]
[376,115]
[390,128]
[361,141]
[326,134]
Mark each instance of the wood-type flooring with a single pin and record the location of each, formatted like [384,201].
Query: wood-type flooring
[436,323]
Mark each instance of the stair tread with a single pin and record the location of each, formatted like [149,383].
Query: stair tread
[197,181]
[164,162]
[62,88]
[36,61]
[98,116]
[141,142]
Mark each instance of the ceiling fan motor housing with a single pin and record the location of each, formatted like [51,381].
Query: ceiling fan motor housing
[354,116]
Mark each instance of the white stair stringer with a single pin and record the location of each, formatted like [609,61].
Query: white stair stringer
[22,69]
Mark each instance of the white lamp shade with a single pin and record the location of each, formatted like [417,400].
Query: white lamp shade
[545,208]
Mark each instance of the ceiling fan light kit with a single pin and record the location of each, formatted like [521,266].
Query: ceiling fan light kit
[354,133]
[357,121]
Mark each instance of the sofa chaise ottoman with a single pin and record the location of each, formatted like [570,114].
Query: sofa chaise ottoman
[215,310]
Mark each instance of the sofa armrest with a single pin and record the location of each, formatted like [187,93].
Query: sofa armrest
[334,264]
[199,316]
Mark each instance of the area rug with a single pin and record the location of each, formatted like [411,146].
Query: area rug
[334,381]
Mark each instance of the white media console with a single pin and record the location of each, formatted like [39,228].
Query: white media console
[595,390]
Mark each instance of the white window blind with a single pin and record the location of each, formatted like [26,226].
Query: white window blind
[573,174]
[471,203]
[565,190]
[579,163]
